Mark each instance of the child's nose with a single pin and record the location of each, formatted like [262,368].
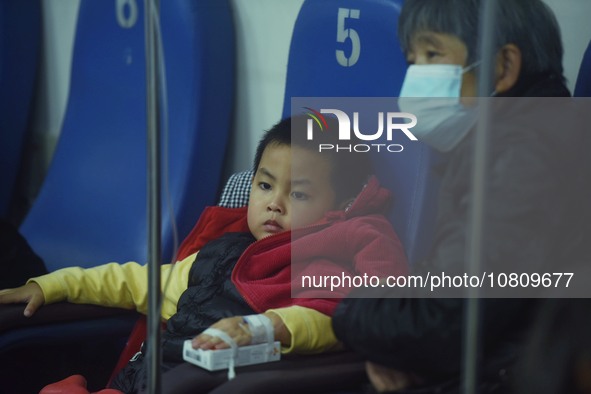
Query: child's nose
[275,206]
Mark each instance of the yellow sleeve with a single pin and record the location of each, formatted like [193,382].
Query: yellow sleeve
[116,285]
[311,331]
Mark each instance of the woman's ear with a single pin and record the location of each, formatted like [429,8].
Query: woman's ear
[508,67]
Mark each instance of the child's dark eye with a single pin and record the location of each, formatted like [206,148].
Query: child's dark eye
[432,54]
[299,196]
[264,186]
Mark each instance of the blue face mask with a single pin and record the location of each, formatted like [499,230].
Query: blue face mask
[432,93]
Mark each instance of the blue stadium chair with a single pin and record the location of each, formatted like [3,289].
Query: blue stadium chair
[20,41]
[583,85]
[92,205]
[347,48]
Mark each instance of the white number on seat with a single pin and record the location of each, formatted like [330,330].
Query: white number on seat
[344,33]
[127,11]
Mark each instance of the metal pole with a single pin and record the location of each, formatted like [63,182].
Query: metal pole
[471,356]
[153,356]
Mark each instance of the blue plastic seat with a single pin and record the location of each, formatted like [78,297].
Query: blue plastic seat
[350,49]
[92,206]
[20,42]
[583,85]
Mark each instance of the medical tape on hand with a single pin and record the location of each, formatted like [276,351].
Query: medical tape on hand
[261,329]
[214,332]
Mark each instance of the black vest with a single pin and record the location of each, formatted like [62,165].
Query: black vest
[210,296]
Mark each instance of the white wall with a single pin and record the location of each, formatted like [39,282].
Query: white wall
[263,30]
[59,23]
[263,35]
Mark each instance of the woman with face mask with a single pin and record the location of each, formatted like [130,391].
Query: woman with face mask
[535,214]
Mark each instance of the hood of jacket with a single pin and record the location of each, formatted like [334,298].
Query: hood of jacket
[216,220]
[357,240]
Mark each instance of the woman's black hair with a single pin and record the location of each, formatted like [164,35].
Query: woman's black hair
[529,24]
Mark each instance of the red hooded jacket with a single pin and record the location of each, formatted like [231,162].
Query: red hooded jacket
[291,268]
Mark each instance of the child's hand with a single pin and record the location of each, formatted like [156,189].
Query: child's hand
[389,379]
[31,294]
[233,326]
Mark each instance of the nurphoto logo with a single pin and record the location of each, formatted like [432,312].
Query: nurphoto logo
[392,123]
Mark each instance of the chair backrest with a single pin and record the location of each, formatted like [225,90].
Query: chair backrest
[20,41]
[583,85]
[92,205]
[347,48]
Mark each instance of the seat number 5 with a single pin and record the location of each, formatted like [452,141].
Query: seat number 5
[343,33]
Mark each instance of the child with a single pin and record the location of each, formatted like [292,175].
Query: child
[248,272]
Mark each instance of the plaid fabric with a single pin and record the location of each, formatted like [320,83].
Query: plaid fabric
[237,190]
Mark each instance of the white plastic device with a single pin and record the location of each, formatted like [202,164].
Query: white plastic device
[215,360]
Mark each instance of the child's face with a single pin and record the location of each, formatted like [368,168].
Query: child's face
[291,188]
[427,47]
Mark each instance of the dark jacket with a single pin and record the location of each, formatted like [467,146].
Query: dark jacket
[533,216]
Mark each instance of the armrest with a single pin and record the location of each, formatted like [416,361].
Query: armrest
[11,315]
[328,372]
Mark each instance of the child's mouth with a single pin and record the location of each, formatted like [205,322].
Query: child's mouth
[272,226]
